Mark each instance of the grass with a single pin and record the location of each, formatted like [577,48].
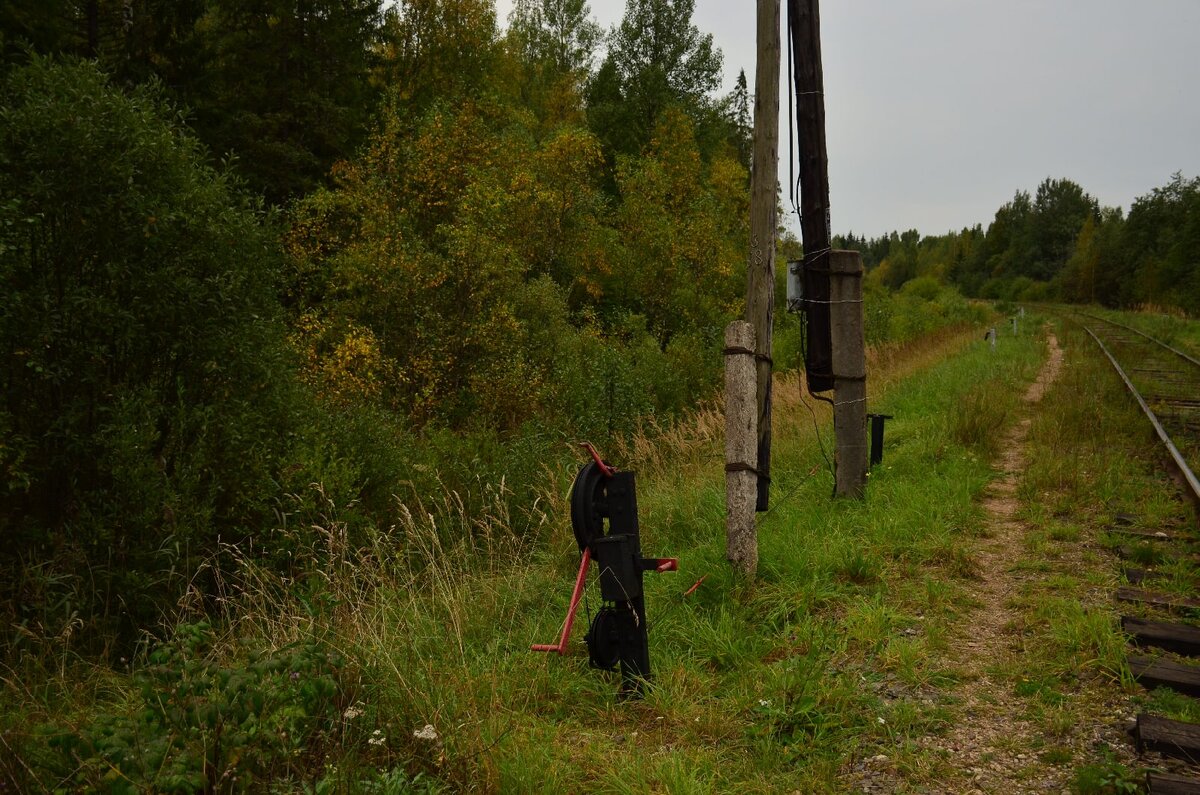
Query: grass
[834,658]
[1091,461]
[1167,324]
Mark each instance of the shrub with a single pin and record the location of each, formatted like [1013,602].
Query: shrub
[203,726]
[146,407]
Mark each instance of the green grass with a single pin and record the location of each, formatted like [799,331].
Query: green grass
[837,654]
[1091,460]
[771,687]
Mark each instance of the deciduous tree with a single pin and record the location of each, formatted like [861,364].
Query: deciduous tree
[659,58]
[145,409]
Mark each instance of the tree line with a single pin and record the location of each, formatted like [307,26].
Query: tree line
[1060,245]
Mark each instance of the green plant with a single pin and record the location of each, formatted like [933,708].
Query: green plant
[201,725]
[147,401]
[859,566]
[976,417]
[1107,777]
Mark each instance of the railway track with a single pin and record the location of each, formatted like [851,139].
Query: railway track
[1165,381]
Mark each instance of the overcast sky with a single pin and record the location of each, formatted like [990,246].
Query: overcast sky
[937,111]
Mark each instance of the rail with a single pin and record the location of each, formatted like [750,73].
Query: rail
[1160,430]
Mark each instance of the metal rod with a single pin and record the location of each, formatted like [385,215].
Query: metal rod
[576,595]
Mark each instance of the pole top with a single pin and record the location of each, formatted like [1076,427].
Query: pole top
[740,334]
[845,263]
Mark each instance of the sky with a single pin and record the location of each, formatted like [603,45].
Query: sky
[938,111]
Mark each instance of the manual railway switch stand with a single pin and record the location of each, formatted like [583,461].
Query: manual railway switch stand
[619,633]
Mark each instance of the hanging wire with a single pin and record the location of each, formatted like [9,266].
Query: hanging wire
[762,517]
[807,405]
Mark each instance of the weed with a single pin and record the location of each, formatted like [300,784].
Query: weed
[909,659]
[977,416]
[1044,689]
[957,560]
[1169,703]
[199,725]
[859,567]
[868,624]
[1058,721]
[1107,777]
[1143,553]
[1067,533]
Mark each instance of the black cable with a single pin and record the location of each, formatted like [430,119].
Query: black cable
[817,430]
[816,426]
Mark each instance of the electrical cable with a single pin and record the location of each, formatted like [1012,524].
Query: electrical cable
[816,425]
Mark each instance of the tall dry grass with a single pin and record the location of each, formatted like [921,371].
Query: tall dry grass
[694,443]
[407,609]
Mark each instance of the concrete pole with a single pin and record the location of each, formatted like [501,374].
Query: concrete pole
[849,372]
[741,449]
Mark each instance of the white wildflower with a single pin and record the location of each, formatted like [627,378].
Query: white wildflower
[353,711]
[377,738]
[426,732]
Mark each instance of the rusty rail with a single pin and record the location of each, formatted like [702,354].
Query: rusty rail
[1192,377]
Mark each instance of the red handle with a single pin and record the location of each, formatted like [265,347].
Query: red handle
[605,468]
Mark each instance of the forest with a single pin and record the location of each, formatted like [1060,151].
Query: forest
[268,261]
[1060,245]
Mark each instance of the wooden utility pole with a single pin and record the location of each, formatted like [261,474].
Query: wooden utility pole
[760,270]
[832,279]
[805,28]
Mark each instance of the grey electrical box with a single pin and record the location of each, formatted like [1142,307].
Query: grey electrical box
[795,285]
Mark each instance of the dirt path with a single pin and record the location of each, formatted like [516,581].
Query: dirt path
[986,744]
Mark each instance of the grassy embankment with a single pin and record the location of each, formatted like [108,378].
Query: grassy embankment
[838,653]
[774,687]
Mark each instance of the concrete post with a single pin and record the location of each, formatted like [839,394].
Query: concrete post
[741,448]
[849,372]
